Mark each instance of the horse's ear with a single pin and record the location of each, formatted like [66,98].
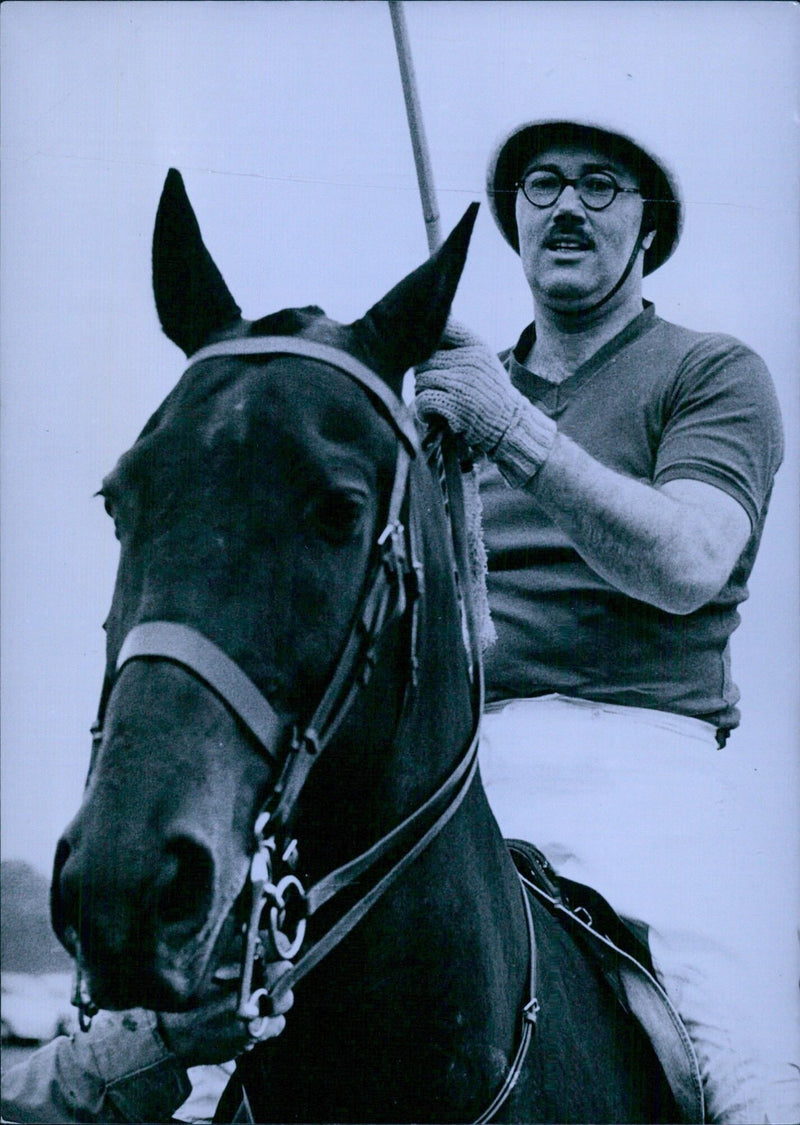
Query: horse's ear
[191,297]
[407,324]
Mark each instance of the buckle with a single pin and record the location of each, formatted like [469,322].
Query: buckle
[285,934]
[306,740]
[393,549]
[531,1010]
[583,915]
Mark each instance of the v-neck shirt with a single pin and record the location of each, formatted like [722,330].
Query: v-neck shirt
[658,402]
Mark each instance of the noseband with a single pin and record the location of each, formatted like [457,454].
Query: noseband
[280,904]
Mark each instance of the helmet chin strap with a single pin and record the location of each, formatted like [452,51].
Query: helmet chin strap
[618,285]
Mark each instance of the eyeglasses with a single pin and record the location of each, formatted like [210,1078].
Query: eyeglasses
[596,190]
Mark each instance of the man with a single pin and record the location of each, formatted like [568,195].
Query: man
[628,470]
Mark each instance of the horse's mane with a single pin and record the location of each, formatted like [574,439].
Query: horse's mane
[478,561]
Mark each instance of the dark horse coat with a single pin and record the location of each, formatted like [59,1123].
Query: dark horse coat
[252,510]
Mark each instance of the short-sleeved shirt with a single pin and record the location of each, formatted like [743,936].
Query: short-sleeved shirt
[657,403]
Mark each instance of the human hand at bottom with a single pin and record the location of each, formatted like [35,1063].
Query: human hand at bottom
[212,1032]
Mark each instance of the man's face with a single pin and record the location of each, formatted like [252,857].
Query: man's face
[572,255]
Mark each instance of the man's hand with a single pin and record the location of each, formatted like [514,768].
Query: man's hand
[212,1032]
[465,384]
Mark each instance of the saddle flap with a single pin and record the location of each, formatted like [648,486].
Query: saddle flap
[619,949]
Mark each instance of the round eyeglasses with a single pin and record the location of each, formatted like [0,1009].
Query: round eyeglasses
[596,190]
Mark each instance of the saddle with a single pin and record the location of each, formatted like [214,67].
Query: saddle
[619,949]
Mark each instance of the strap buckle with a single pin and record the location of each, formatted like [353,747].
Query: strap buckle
[392,544]
[530,1013]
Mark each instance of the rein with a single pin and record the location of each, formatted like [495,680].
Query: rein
[391,591]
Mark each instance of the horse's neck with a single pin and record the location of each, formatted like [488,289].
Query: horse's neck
[446,957]
[453,945]
[416,1015]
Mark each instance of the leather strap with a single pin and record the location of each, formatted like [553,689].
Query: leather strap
[383,601]
[395,409]
[344,876]
[450,451]
[529,1015]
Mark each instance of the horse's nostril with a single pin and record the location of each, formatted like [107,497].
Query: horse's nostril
[186,891]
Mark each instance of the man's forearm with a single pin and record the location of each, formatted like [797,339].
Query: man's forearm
[673,547]
[118,1071]
[638,538]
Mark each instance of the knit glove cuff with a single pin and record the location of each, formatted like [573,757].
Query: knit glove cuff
[526,444]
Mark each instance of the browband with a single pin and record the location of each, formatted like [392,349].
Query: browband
[395,409]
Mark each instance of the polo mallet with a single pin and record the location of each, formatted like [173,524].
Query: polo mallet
[419,143]
[456,455]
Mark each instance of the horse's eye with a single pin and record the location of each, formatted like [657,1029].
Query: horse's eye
[111,510]
[338,514]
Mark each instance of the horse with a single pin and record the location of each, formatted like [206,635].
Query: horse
[285,756]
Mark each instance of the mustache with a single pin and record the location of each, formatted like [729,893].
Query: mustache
[575,232]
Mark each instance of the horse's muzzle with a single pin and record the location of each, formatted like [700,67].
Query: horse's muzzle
[140,936]
[147,875]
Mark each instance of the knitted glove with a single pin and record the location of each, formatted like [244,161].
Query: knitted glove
[465,384]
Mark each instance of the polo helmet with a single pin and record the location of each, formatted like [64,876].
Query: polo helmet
[658,183]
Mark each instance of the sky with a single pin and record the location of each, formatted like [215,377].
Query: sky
[287,122]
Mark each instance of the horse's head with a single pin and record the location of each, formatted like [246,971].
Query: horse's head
[248,512]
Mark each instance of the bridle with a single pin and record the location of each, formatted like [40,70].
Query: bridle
[279,903]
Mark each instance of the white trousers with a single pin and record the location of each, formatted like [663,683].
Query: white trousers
[644,807]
